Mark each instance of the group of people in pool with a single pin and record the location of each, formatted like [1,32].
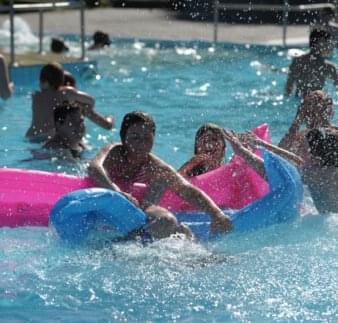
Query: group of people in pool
[59,109]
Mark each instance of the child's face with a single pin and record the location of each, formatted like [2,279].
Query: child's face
[139,139]
[212,144]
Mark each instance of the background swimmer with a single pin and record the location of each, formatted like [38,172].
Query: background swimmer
[310,71]
[53,94]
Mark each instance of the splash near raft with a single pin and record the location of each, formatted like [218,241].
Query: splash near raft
[85,212]
[27,196]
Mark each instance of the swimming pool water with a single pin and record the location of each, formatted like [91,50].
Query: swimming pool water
[285,273]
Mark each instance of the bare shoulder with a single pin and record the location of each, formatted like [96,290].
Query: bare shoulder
[160,167]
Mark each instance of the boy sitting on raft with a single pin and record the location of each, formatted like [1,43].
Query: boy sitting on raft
[119,166]
[53,94]
[69,130]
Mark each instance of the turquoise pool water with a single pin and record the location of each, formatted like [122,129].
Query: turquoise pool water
[285,273]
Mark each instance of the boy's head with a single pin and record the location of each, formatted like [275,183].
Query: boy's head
[58,46]
[101,39]
[136,117]
[69,122]
[51,76]
[321,42]
[317,109]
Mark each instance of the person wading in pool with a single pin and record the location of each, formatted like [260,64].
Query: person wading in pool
[210,149]
[6,87]
[309,72]
[316,145]
[119,166]
[53,94]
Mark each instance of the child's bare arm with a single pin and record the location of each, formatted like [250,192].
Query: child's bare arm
[255,161]
[100,120]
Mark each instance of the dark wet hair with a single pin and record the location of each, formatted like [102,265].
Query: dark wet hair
[208,127]
[61,112]
[53,74]
[69,79]
[136,117]
[58,46]
[324,145]
[317,35]
[101,38]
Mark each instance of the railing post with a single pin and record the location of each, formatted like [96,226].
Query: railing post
[41,32]
[285,20]
[11,11]
[82,26]
[216,16]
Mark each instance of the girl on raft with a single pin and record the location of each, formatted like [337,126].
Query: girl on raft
[119,166]
[210,149]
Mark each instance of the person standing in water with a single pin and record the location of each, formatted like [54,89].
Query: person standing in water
[6,87]
[313,149]
[119,166]
[54,94]
[310,71]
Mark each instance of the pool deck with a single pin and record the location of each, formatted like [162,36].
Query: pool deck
[161,24]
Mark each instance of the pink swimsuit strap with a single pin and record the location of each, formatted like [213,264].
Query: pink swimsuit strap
[142,176]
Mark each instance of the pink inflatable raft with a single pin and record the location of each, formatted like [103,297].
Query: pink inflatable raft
[27,196]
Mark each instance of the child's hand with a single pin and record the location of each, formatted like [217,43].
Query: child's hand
[249,138]
[131,198]
[111,120]
[220,224]
[200,158]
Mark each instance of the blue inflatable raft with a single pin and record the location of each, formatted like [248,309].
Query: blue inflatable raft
[89,211]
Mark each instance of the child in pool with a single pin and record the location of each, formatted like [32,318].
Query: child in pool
[313,149]
[310,71]
[52,95]
[119,166]
[210,149]
[69,130]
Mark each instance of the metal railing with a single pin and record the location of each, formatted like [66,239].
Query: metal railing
[12,8]
[285,8]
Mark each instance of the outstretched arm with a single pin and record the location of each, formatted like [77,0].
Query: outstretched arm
[252,139]
[197,160]
[167,178]
[97,170]
[255,161]
[100,120]
[87,103]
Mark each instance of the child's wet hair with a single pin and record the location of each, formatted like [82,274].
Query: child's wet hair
[318,35]
[208,127]
[101,38]
[134,118]
[53,74]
